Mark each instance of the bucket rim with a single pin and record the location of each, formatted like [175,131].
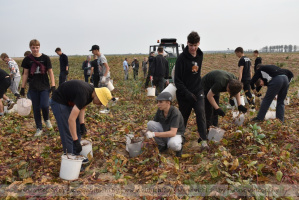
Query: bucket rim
[79,159]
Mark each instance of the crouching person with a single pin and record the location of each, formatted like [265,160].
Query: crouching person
[168,127]
[68,103]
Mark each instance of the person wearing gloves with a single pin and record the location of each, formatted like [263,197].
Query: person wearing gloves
[187,80]
[278,81]
[14,74]
[159,71]
[69,103]
[100,66]
[213,83]
[37,67]
[168,127]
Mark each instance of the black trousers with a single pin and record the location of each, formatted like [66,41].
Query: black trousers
[96,80]
[159,83]
[246,88]
[185,106]
[135,73]
[211,117]
[62,77]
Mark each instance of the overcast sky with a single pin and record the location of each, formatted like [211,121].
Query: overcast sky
[130,26]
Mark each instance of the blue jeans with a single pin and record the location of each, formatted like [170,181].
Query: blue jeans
[62,113]
[86,78]
[279,86]
[40,101]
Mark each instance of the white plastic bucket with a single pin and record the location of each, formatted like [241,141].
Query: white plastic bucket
[70,166]
[86,148]
[242,101]
[273,104]
[151,91]
[287,101]
[110,86]
[171,89]
[111,80]
[24,106]
[238,118]
[216,134]
[135,149]
[270,115]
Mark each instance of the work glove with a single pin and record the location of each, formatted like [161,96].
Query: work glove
[231,102]
[220,112]
[22,92]
[83,130]
[242,109]
[103,80]
[67,72]
[78,146]
[258,94]
[191,97]
[52,89]
[149,134]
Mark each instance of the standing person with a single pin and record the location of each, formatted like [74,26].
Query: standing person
[278,81]
[4,85]
[14,74]
[159,71]
[37,66]
[150,61]
[245,74]
[69,103]
[102,65]
[214,83]
[190,92]
[86,66]
[168,127]
[258,59]
[64,66]
[126,69]
[144,67]
[135,63]
[27,53]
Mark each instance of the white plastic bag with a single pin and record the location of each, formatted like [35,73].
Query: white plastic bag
[24,106]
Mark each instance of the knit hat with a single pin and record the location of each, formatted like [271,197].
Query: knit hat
[104,95]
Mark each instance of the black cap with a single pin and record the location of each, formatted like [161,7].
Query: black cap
[95,47]
[164,96]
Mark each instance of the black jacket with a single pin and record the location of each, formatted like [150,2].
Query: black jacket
[160,67]
[267,72]
[187,81]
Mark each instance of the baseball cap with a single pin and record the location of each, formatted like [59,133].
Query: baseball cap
[103,94]
[95,47]
[164,96]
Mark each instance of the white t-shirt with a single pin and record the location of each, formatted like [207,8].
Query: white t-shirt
[102,69]
[14,68]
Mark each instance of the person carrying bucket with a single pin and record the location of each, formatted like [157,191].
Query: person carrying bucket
[68,103]
[214,83]
[168,127]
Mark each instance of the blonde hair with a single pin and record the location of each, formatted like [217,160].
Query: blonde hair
[34,42]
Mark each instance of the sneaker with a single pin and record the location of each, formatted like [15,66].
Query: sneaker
[10,105]
[255,119]
[39,132]
[48,124]
[85,161]
[204,144]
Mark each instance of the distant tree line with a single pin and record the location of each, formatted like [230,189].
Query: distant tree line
[280,48]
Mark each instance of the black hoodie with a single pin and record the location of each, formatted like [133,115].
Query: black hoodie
[187,81]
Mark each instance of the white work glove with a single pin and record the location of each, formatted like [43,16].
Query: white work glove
[149,134]
[103,79]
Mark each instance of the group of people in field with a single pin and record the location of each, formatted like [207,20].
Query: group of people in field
[195,92]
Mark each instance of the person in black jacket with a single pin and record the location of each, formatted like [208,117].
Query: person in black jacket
[258,59]
[64,66]
[135,65]
[190,93]
[150,61]
[86,66]
[278,81]
[159,71]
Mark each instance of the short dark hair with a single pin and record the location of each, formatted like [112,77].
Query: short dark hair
[258,82]
[193,38]
[57,49]
[239,49]
[256,51]
[234,87]
[160,49]
[27,53]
